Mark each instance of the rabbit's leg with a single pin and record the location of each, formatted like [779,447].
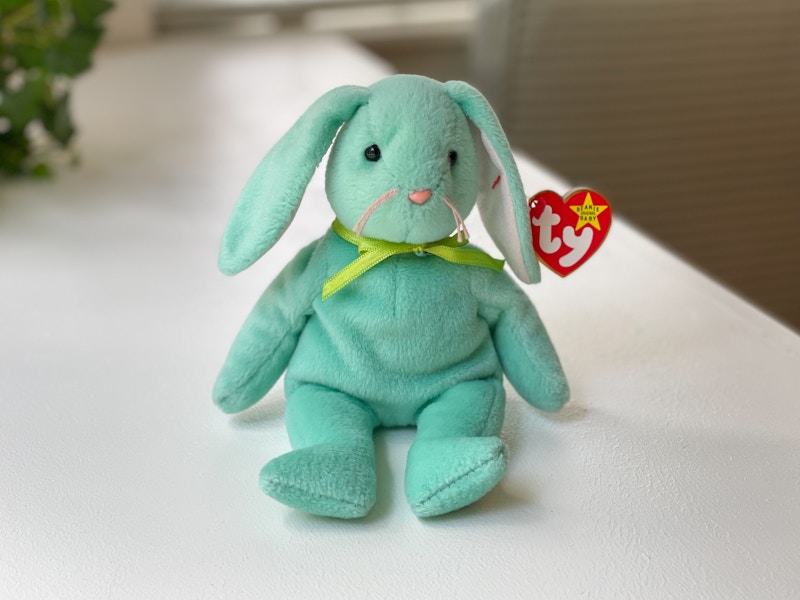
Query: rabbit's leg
[457,455]
[331,471]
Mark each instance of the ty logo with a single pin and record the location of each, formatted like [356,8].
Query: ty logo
[567,232]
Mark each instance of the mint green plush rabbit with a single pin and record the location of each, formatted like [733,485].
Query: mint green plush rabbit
[384,320]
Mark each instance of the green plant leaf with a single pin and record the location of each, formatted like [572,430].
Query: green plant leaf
[72,55]
[29,57]
[57,121]
[41,171]
[88,11]
[14,149]
[24,105]
[9,5]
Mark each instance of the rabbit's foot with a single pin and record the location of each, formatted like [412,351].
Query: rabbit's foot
[332,480]
[446,474]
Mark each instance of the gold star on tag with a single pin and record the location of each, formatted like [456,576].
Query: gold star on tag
[587,213]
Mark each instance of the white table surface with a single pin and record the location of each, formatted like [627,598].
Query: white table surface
[673,472]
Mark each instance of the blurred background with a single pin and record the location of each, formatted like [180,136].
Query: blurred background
[684,113]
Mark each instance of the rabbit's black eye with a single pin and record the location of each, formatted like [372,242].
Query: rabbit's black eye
[452,156]
[373,153]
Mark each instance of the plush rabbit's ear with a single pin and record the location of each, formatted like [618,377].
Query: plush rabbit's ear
[272,195]
[501,198]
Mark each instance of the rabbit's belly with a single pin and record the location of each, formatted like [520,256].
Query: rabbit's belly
[405,346]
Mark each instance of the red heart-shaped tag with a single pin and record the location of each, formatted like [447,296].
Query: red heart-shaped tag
[567,232]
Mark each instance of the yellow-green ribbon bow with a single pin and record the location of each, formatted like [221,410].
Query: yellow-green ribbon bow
[372,251]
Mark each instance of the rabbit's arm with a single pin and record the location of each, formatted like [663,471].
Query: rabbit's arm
[262,349]
[526,353]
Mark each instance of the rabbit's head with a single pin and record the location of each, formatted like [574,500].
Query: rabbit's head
[411,159]
[404,167]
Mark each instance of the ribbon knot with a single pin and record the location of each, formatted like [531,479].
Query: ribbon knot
[373,251]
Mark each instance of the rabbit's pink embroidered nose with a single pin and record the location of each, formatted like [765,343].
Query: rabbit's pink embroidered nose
[419,196]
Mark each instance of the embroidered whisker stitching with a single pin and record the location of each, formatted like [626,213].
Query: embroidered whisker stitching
[461,228]
[362,221]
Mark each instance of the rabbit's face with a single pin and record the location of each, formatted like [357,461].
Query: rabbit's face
[404,168]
